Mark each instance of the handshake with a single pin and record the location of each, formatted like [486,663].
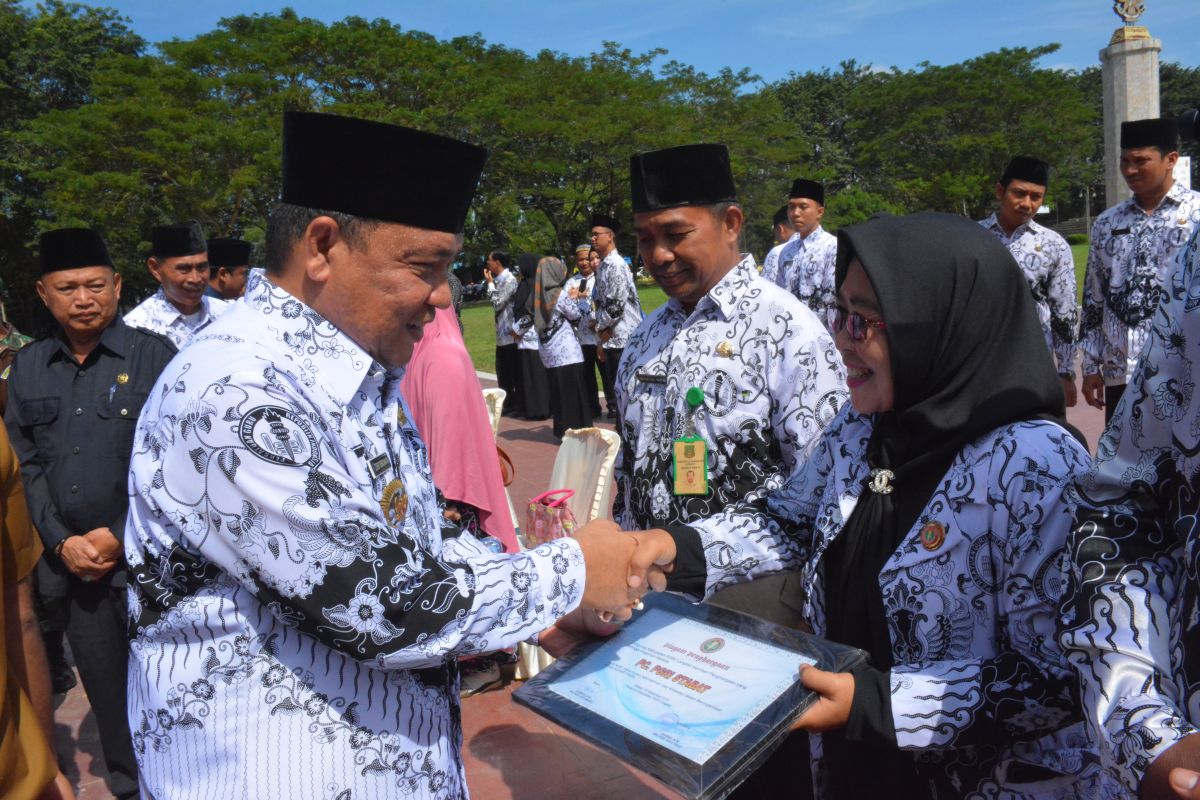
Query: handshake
[621,567]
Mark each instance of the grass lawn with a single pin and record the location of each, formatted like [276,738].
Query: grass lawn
[1080,253]
[479,327]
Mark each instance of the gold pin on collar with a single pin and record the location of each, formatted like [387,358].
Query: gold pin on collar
[725,350]
[123,378]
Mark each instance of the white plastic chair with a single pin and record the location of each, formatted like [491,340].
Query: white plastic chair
[584,463]
[494,400]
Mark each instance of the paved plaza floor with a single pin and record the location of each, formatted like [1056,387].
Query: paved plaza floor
[510,752]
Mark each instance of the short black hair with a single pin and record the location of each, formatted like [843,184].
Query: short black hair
[288,223]
[501,256]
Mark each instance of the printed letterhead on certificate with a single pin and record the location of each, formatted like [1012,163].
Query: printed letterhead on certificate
[685,684]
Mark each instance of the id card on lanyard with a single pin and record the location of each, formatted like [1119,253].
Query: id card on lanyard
[689,461]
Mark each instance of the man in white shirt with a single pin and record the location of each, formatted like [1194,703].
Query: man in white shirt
[805,262]
[1134,249]
[1043,256]
[297,608]
[179,262]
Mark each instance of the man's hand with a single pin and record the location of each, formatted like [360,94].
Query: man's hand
[106,544]
[1173,774]
[605,335]
[655,557]
[1069,393]
[832,709]
[600,354]
[581,625]
[83,559]
[607,553]
[1093,390]
[573,292]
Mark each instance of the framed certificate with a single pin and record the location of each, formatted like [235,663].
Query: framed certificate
[695,695]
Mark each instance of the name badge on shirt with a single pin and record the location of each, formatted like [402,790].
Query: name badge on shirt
[378,465]
[650,377]
[690,466]
[1121,231]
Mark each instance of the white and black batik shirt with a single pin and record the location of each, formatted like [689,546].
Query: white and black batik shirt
[618,307]
[772,380]
[1131,259]
[581,311]
[807,271]
[157,313]
[770,268]
[296,609]
[501,291]
[1132,629]
[981,697]
[557,344]
[1045,258]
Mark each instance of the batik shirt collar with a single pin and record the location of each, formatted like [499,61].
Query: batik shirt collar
[728,291]
[331,358]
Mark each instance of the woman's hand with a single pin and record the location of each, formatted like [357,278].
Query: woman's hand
[835,692]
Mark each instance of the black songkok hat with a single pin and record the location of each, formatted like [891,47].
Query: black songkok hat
[72,248]
[802,187]
[691,175]
[605,221]
[172,241]
[1027,168]
[781,216]
[228,253]
[1162,133]
[379,171]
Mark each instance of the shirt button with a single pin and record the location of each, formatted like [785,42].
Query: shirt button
[75,450]
[74,488]
[78,411]
[124,412]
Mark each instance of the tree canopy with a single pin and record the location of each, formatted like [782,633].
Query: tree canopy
[98,129]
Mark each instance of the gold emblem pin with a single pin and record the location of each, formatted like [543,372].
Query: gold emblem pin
[1038,247]
[1183,220]
[394,503]
[933,534]
[725,350]
[123,378]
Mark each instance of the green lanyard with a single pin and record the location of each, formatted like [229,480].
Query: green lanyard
[690,457]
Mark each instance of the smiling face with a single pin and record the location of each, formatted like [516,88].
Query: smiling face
[1019,201]
[688,250]
[868,363]
[83,301]
[382,293]
[805,214]
[183,279]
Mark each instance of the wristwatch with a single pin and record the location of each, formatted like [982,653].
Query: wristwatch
[58,547]
[1067,376]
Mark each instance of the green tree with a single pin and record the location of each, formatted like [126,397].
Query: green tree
[47,63]
[938,137]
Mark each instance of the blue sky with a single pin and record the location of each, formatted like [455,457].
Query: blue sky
[771,38]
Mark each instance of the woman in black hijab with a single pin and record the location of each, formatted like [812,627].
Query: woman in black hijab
[535,388]
[932,530]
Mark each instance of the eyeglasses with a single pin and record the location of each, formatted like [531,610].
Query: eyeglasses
[597,234]
[858,324]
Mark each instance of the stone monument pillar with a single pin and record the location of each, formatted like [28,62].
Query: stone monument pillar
[1130,74]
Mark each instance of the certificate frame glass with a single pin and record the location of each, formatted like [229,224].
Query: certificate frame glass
[748,747]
